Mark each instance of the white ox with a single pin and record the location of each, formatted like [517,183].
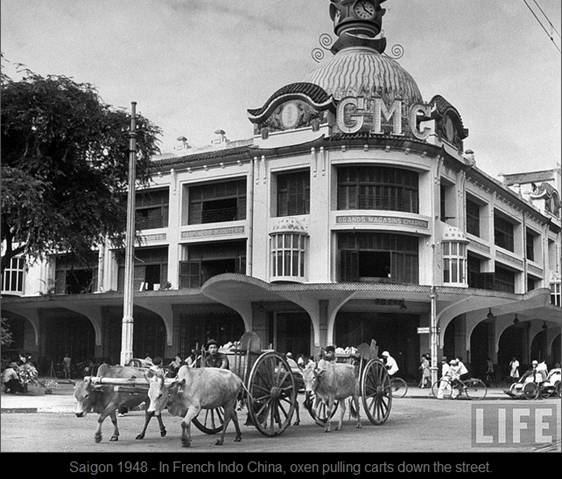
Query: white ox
[333,382]
[194,389]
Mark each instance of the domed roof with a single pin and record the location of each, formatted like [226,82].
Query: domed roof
[358,71]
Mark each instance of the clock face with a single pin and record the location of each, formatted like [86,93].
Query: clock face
[290,115]
[364,9]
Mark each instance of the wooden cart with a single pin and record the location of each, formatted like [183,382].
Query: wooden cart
[374,383]
[271,385]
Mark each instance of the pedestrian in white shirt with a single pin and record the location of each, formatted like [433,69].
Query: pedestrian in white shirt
[462,369]
[514,370]
[391,365]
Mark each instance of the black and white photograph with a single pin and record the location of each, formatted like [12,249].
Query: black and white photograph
[280,237]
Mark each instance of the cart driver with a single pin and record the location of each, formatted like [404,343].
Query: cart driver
[390,363]
[533,374]
[213,358]
[329,356]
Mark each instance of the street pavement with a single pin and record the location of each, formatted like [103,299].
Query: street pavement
[417,423]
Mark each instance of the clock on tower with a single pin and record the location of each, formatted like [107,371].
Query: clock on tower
[357,23]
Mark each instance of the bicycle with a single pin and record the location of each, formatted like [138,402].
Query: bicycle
[489,378]
[473,388]
[398,387]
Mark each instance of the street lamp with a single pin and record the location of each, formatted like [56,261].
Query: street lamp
[128,321]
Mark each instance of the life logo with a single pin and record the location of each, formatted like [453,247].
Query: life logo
[496,425]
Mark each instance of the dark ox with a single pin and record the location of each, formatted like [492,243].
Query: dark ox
[105,401]
[194,389]
[333,382]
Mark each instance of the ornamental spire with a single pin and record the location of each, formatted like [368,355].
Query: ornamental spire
[357,23]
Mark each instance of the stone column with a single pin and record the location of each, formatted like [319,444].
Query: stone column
[259,323]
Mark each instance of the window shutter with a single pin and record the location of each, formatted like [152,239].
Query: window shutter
[350,265]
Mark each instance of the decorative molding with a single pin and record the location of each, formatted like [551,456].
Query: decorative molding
[534,269]
[509,259]
[155,237]
[314,161]
[382,220]
[231,230]
[479,246]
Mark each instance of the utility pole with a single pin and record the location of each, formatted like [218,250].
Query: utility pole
[128,321]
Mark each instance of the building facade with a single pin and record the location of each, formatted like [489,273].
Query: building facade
[354,213]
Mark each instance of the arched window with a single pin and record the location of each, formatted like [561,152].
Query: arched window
[288,256]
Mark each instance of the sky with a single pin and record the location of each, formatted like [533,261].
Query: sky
[195,66]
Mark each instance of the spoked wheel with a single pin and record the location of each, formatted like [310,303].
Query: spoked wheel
[442,389]
[547,391]
[320,413]
[399,387]
[531,391]
[273,394]
[376,392]
[210,421]
[475,388]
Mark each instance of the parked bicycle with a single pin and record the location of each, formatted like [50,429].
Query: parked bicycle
[489,378]
[398,387]
[472,388]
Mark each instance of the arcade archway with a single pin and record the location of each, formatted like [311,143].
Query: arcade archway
[149,334]
[538,347]
[555,351]
[195,325]
[63,331]
[22,335]
[479,348]
[395,333]
[511,345]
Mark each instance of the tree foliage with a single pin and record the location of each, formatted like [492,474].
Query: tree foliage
[5,333]
[65,157]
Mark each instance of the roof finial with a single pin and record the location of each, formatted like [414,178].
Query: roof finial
[358,23]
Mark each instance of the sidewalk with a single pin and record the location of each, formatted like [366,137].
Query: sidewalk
[414,392]
[62,399]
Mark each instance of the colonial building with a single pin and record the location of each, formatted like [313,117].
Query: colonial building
[354,213]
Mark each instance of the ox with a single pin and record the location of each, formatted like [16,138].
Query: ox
[333,382]
[194,389]
[105,401]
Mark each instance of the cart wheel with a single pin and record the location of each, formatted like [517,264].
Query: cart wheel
[531,391]
[376,392]
[442,389]
[475,388]
[273,394]
[399,387]
[210,421]
[319,414]
[546,391]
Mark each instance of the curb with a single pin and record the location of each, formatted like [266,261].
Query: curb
[18,410]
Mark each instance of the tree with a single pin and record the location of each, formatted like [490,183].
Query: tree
[5,334]
[64,166]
